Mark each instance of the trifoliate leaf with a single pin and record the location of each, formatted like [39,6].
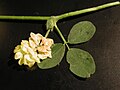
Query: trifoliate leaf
[81,62]
[58,51]
[81,32]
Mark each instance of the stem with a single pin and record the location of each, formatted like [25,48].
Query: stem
[59,16]
[24,17]
[61,35]
[47,33]
[87,10]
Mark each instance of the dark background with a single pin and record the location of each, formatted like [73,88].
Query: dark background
[104,46]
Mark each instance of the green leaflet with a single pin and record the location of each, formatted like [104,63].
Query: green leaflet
[81,32]
[81,62]
[58,51]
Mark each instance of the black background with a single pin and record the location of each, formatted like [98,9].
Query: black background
[104,46]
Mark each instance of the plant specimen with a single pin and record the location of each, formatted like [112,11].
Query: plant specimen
[47,54]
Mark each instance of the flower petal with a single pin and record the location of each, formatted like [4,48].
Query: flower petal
[42,49]
[17,49]
[32,44]
[35,57]
[50,42]
[36,38]
[18,55]
[31,64]
[42,56]
[20,62]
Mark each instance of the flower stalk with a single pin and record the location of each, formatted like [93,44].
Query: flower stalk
[47,33]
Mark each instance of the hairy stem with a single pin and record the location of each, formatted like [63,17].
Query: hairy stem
[87,10]
[58,17]
[61,35]
[24,17]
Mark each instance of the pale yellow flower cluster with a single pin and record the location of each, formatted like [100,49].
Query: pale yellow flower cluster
[34,49]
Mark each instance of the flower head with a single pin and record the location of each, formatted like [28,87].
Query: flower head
[31,51]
